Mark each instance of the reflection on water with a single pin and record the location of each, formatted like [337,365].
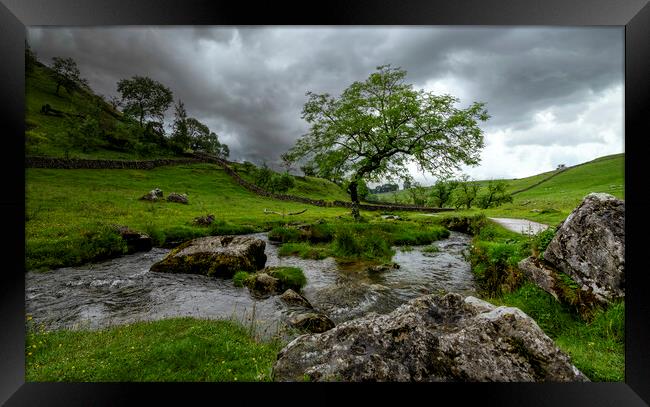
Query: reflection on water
[122,290]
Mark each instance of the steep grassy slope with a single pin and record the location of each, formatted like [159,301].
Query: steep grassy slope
[105,135]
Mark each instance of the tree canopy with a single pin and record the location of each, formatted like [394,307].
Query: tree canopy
[143,97]
[67,74]
[375,128]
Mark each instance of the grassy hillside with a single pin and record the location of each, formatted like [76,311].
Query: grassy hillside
[100,132]
[65,207]
[552,201]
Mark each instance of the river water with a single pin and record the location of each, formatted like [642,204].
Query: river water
[122,290]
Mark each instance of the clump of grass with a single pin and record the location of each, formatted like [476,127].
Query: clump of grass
[240,278]
[290,277]
[222,227]
[304,250]
[431,249]
[495,266]
[172,350]
[419,237]
[596,347]
[285,234]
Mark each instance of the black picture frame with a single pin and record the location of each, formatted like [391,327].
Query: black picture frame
[16,14]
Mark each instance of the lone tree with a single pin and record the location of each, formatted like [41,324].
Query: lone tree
[376,127]
[66,74]
[143,97]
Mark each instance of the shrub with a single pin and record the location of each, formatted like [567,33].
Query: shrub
[495,266]
[540,241]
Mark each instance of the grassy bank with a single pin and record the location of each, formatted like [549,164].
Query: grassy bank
[172,350]
[595,342]
[68,211]
[347,241]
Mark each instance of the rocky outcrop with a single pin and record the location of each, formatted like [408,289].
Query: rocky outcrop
[431,338]
[179,198]
[589,246]
[220,256]
[135,241]
[153,195]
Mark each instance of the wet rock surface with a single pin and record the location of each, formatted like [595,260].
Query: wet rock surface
[430,338]
[292,298]
[220,256]
[589,246]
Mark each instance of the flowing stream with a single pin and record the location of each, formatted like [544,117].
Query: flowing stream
[122,290]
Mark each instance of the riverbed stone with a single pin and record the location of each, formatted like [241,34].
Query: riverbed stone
[219,256]
[315,322]
[179,198]
[589,246]
[382,268]
[153,195]
[430,338]
[262,284]
[291,297]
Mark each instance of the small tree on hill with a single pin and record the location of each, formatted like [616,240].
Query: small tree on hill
[441,192]
[66,73]
[143,98]
[180,139]
[466,192]
[495,195]
[377,127]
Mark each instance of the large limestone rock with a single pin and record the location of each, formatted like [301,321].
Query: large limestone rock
[431,338]
[590,246]
[153,195]
[220,256]
[180,198]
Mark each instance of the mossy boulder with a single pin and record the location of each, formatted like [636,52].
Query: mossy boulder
[218,256]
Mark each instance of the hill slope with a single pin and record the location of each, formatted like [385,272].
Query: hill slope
[556,193]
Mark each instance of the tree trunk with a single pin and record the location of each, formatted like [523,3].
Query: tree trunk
[354,196]
[58,85]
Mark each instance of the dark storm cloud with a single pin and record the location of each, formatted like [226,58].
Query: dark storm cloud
[249,84]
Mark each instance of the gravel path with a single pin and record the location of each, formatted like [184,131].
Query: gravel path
[522,226]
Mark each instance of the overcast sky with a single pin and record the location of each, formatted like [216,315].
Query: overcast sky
[554,94]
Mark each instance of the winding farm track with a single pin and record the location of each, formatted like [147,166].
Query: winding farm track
[523,226]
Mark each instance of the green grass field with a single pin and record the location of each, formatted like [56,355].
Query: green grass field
[63,206]
[552,201]
[171,350]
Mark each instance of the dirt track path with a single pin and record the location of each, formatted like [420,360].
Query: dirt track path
[523,226]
